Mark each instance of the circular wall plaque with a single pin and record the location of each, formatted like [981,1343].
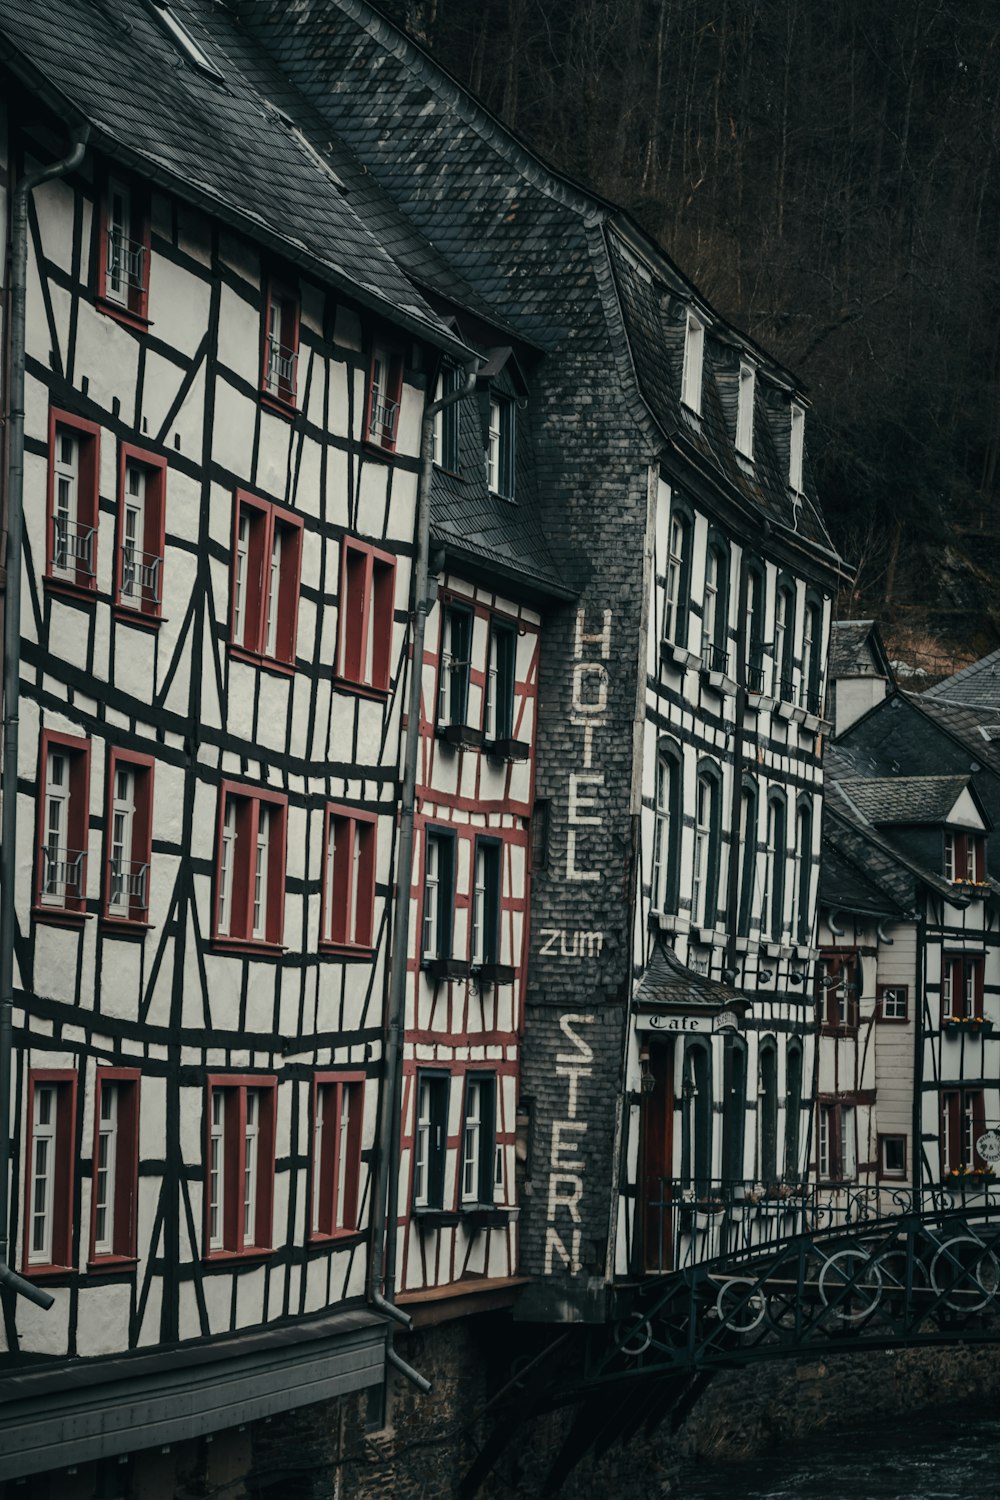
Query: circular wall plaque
[988,1146]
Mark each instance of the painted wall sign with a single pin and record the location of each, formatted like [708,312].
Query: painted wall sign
[657,1021]
[562,943]
[590,701]
[566,1165]
[988,1146]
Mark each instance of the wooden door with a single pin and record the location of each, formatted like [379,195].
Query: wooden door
[657,1160]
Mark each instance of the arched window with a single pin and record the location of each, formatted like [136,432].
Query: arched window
[678,579]
[812,632]
[784,641]
[773,913]
[793,1108]
[756,615]
[748,861]
[697,1136]
[715,609]
[734,1109]
[767,1111]
[705,878]
[802,912]
[666,828]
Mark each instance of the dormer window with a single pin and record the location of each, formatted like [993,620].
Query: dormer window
[694,355]
[500,448]
[385,393]
[796,439]
[446,424]
[744,412]
[279,378]
[123,278]
[964,858]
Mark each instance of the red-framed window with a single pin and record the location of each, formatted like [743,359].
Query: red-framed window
[893,1002]
[892,1158]
[384,394]
[280,356]
[838,984]
[142,489]
[73,496]
[964,858]
[367,601]
[963,1121]
[115,1181]
[63,825]
[250,865]
[128,848]
[837,1141]
[123,259]
[49,1170]
[961,986]
[478,1178]
[349,878]
[267,561]
[239,1164]
[337,1118]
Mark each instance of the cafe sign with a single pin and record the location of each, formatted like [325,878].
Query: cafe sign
[688,1025]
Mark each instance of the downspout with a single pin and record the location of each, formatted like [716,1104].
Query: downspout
[12,670]
[385,1197]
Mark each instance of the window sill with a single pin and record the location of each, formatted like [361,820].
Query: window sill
[319,1238]
[844,1030]
[124,926]
[105,1265]
[476,1216]
[892,1020]
[347,950]
[759,703]
[507,750]
[71,590]
[718,682]
[378,450]
[677,656]
[279,406]
[46,1273]
[123,315]
[140,618]
[257,659]
[447,968]
[490,974]
[436,1218]
[460,736]
[60,916]
[777,950]
[254,947]
[967,1028]
[361,689]
[254,1252]
[664,921]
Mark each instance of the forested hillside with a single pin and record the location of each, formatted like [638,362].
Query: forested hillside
[828,174]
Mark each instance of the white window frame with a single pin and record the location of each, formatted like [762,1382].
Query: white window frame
[472,1141]
[273,594]
[239,586]
[694,361]
[261,854]
[343,1143]
[666,769]
[217,1172]
[432,896]
[677,539]
[133,535]
[479,905]
[422,1145]
[57,806]
[119,223]
[745,409]
[43,1133]
[704,797]
[122,828]
[251,1139]
[796,446]
[105,1168]
[227,857]
[65,501]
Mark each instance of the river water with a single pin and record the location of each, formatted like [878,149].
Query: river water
[951,1453]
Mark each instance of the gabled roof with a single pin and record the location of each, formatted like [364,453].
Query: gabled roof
[667,981]
[977,729]
[868,851]
[975,686]
[218,145]
[857,650]
[857,872]
[905,800]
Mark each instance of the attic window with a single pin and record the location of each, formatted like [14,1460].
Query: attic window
[184,41]
[694,353]
[744,412]
[796,438]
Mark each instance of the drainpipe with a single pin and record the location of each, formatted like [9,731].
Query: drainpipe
[11,671]
[385,1198]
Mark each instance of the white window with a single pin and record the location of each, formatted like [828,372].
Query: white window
[217,1172]
[120,246]
[673,611]
[251,1136]
[133,535]
[260,874]
[432,887]
[57,858]
[849,1142]
[493,447]
[480,894]
[226,861]
[710,620]
[472,1142]
[271,628]
[702,850]
[43,1170]
[239,588]
[105,1171]
[824,1141]
[782,603]
[422,1145]
[317,1155]
[744,412]
[122,821]
[661,833]
[343,1157]
[796,439]
[694,353]
[66,539]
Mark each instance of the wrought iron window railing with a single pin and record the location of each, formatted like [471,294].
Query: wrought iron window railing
[63,872]
[786,689]
[811,700]
[126,261]
[281,361]
[72,546]
[713,658]
[140,575]
[755,679]
[384,416]
[128,884]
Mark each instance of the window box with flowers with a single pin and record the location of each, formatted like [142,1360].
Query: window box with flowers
[960,1178]
[967,1025]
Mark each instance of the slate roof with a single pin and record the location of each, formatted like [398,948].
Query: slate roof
[667,981]
[908,800]
[856,650]
[975,686]
[868,868]
[977,728]
[214,144]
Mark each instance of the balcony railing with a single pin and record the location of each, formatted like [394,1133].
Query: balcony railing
[702,1219]
[755,679]
[713,658]
[786,689]
[72,546]
[811,700]
[126,262]
[384,416]
[280,367]
[140,576]
[62,874]
[128,884]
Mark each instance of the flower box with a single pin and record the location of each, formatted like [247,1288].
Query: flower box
[973,1179]
[967,1025]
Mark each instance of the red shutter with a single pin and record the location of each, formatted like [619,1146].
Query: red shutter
[265,1162]
[142,830]
[78,825]
[288,595]
[127,1168]
[354,612]
[364,918]
[383,603]
[233,1153]
[275,869]
[352,1166]
[340,896]
[243,854]
[326,1161]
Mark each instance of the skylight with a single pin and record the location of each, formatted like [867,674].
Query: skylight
[184,41]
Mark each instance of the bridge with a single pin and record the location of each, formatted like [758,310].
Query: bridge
[798,1271]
